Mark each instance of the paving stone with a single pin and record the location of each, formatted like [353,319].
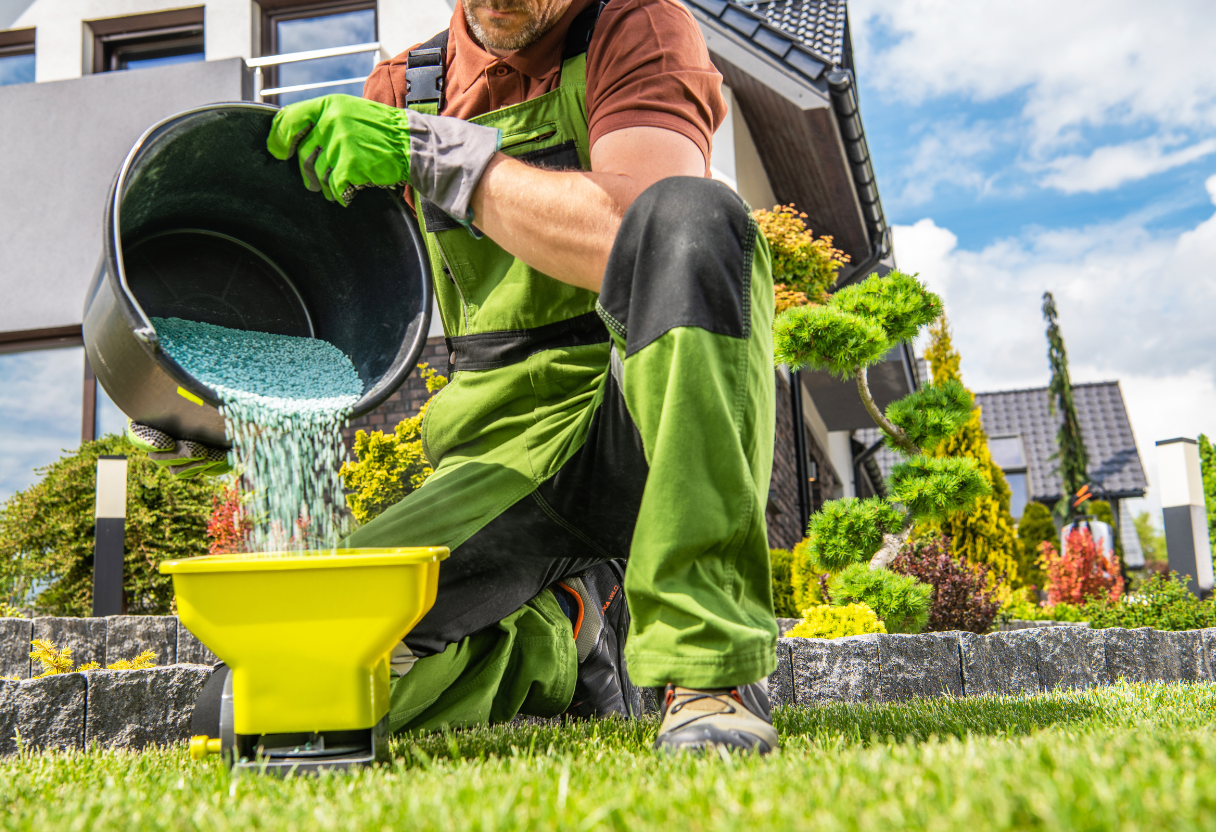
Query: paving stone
[86,637]
[1208,636]
[1000,663]
[137,708]
[925,665]
[1093,645]
[1141,655]
[50,711]
[1064,660]
[15,636]
[784,625]
[129,635]
[1192,659]
[8,717]
[192,651]
[835,670]
[781,681]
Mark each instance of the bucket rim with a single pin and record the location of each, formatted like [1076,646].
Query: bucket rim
[308,559]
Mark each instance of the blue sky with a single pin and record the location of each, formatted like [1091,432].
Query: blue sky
[1037,145]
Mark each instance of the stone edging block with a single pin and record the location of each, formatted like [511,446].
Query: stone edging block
[47,712]
[137,708]
[129,635]
[15,637]
[192,651]
[86,637]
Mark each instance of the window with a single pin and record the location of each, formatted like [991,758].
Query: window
[286,30]
[40,407]
[16,57]
[1009,453]
[148,40]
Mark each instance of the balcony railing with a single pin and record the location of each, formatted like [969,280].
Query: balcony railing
[294,57]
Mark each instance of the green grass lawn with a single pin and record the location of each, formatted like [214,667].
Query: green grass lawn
[1139,757]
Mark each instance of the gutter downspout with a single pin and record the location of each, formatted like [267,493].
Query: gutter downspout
[804,496]
[848,117]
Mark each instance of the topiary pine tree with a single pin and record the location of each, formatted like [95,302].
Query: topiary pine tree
[1073,464]
[845,336]
[986,534]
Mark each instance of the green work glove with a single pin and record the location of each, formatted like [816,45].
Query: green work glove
[347,143]
[183,458]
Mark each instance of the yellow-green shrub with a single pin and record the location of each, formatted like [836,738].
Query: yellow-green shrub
[825,621]
[805,577]
[389,466]
[780,562]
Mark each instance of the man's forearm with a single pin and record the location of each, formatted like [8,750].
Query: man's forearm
[563,223]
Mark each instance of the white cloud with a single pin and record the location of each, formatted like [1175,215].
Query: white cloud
[1135,306]
[1113,165]
[1078,68]
[947,153]
[1081,62]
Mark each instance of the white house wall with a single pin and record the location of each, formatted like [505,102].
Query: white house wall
[230,27]
[736,161]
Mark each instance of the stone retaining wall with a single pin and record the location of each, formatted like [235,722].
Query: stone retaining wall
[888,668]
[101,640]
[112,708]
[135,708]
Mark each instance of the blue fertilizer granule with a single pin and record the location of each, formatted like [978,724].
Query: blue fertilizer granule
[285,400]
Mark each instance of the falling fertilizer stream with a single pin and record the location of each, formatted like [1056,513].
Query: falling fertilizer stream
[285,402]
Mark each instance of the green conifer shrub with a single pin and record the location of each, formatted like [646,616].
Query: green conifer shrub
[46,531]
[1034,528]
[901,601]
[985,535]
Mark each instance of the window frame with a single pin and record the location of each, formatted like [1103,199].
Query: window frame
[112,35]
[273,12]
[16,42]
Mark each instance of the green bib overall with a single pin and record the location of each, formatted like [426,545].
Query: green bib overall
[575,430]
[502,426]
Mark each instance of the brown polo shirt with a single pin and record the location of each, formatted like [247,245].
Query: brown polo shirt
[647,65]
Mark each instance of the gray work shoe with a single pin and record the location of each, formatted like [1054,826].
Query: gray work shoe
[601,625]
[737,719]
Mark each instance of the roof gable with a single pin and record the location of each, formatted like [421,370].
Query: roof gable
[1114,461]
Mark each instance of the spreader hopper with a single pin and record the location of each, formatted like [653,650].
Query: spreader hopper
[307,636]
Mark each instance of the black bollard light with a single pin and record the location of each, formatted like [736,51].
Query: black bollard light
[110,515]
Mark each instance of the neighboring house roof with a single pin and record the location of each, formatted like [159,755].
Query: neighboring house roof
[790,66]
[1114,462]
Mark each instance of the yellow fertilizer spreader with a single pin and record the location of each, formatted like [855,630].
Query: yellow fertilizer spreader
[307,636]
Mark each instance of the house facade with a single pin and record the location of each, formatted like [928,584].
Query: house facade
[85,79]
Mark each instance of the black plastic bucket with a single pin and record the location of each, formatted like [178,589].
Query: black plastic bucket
[204,224]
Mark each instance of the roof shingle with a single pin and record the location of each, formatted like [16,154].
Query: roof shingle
[1114,462]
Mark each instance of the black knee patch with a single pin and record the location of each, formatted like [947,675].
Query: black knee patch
[682,257]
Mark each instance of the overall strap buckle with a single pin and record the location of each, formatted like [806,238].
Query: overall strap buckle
[424,71]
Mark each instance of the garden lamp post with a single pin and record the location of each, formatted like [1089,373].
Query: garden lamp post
[110,515]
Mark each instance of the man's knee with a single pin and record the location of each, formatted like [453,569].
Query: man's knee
[682,257]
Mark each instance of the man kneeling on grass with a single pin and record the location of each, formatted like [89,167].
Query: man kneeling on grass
[609,313]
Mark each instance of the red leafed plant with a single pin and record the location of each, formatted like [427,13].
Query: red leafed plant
[228,529]
[961,598]
[1083,572]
